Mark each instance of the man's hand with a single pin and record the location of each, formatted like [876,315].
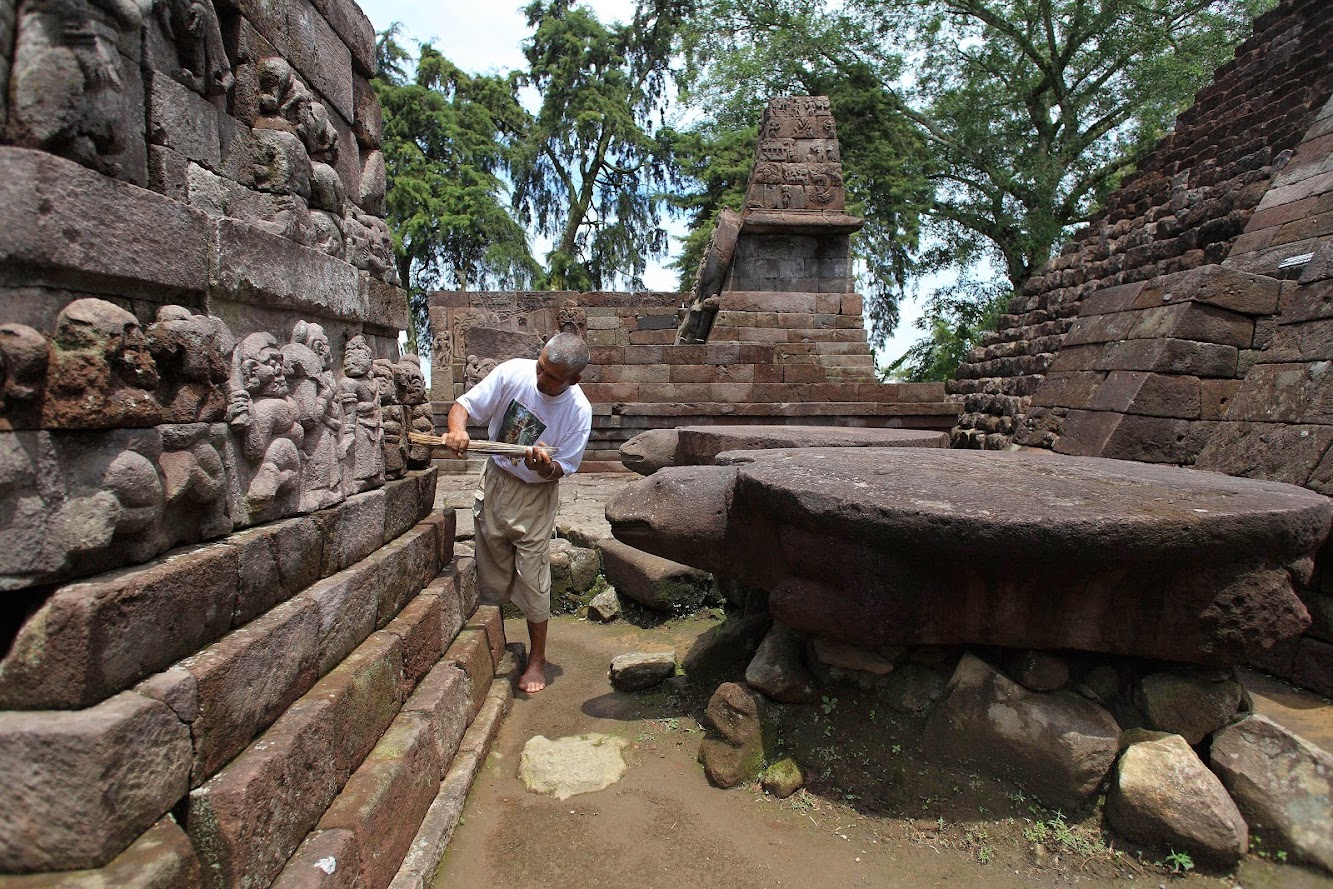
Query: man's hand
[456,439]
[539,461]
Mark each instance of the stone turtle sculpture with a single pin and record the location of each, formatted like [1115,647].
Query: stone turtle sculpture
[898,546]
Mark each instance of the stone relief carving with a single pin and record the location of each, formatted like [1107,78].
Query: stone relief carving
[572,318]
[101,372]
[416,405]
[361,447]
[190,352]
[309,358]
[462,319]
[369,245]
[75,87]
[265,419]
[476,370]
[283,97]
[393,418]
[192,27]
[23,361]
[73,503]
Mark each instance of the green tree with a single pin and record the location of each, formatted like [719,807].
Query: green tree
[590,169]
[1023,114]
[953,320]
[446,148]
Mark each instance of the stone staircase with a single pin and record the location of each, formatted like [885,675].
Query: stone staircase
[327,736]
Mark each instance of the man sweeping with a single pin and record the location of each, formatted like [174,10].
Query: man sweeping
[539,405]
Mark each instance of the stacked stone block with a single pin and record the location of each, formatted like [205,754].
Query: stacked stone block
[640,378]
[1185,208]
[1278,424]
[310,717]
[771,334]
[233,628]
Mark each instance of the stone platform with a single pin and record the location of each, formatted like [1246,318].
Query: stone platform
[700,445]
[878,546]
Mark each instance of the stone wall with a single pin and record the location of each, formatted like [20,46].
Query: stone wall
[1184,209]
[235,642]
[1187,324]
[772,332]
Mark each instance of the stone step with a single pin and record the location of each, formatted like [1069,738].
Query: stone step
[352,766]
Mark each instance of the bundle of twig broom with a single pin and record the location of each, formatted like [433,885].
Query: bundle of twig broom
[476,446]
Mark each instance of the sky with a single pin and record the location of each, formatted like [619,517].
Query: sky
[484,37]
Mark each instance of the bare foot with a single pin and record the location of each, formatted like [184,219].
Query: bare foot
[534,677]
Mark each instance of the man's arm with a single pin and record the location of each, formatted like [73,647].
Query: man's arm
[456,439]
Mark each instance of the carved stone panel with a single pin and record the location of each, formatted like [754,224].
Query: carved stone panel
[265,420]
[363,432]
[75,85]
[75,503]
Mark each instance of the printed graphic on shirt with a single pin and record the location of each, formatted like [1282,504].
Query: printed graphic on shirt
[520,426]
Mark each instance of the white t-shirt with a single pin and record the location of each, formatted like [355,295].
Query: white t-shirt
[515,411]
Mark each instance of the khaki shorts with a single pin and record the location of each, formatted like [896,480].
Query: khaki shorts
[514,521]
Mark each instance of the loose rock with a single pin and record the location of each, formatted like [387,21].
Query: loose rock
[1283,785]
[1163,796]
[1188,706]
[641,669]
[738,754]
[1038,670]
[777,669]
[1056,744]
[569,766]
[783,778]
[605,606]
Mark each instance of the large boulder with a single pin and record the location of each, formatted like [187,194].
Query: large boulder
[1058,745]
[1163,796]
[652,581]
[906,546]
[1283,785]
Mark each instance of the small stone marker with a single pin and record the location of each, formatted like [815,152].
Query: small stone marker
[605,606]
[642,669]
[566,767]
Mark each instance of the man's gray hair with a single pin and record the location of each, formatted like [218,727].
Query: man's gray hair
[567,350]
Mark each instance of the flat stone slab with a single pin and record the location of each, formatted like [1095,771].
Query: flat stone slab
[700,445]
[566,767]
[896,546]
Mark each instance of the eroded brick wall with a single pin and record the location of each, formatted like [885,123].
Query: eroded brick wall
[1185,208]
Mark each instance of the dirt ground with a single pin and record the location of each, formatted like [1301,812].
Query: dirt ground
[876,812]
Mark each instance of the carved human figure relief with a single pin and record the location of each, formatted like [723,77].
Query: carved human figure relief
[476,370]
[71,90]
[101,373]
[416,405]
[310,358]
[190,352]
[392,419]
[572,318]
[23,361]
[266,421]
[192,27]
[363,432]
[284,96]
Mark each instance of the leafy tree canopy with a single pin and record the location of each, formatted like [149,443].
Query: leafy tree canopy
[445,145]
[991,127]
[590,169]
